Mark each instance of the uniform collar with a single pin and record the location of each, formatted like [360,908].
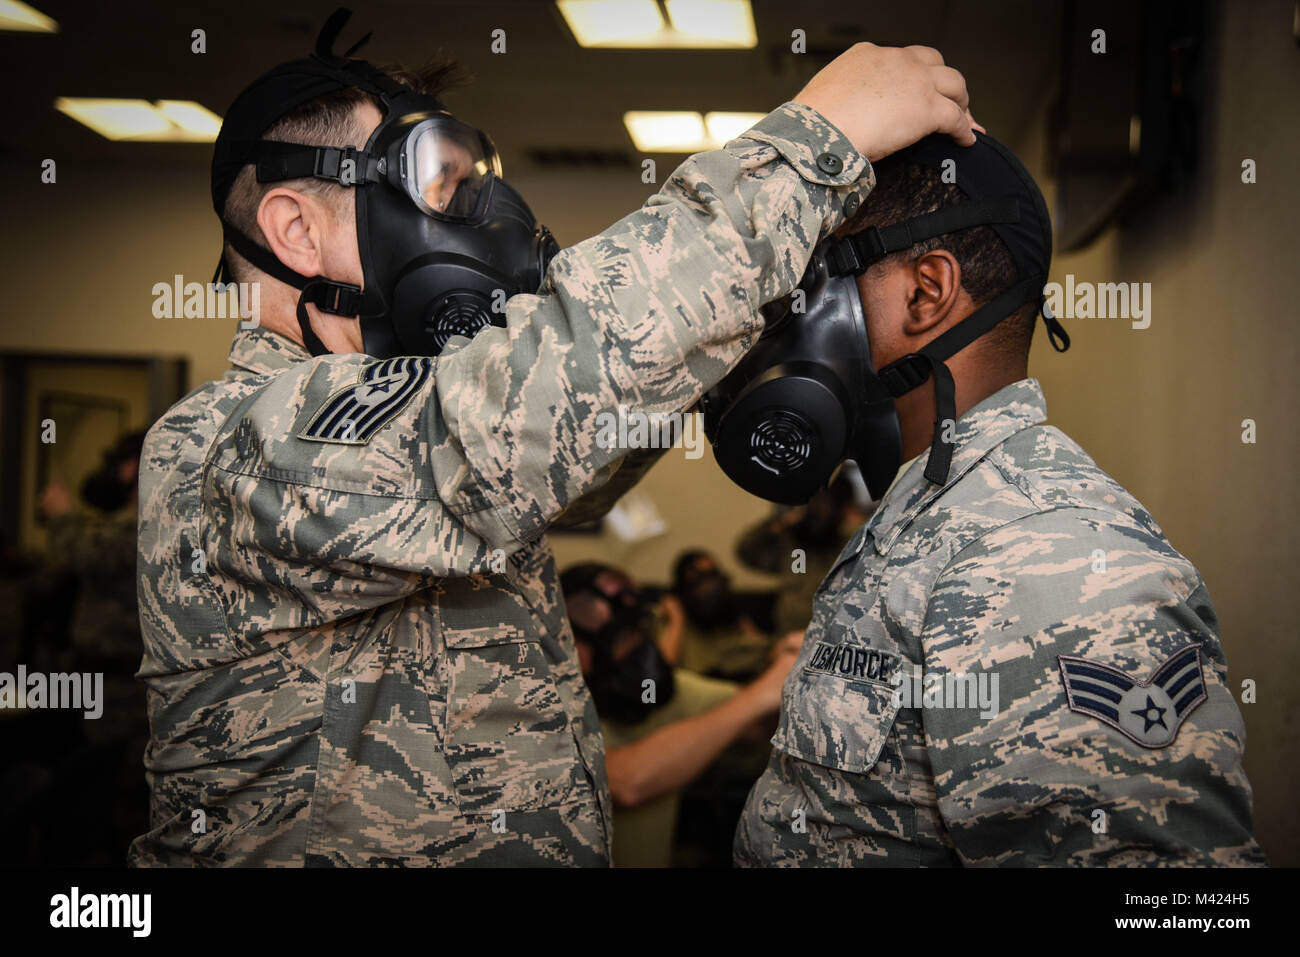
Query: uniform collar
[260,351]
[980,430]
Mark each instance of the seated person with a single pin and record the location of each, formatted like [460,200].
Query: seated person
[663,727]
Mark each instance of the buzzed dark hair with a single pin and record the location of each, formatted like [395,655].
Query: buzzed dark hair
[987,269]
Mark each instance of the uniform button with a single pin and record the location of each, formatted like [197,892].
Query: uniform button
[851,204]
[830,163]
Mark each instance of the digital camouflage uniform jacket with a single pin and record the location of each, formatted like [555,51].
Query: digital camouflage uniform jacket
[356,650]
[1113,737]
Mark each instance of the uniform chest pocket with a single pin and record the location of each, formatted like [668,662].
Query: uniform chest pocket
[508,742]
[838,708]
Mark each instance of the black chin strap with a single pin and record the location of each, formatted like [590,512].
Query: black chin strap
[905,374]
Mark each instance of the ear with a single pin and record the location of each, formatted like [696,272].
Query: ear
[935,292]
[293,224]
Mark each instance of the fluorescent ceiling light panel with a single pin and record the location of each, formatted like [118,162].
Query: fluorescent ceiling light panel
[676,131]
[726,23]
[724,127]
[664,131]
[139,121]
[195,119]
[640,24]
[20,17]
[597,23]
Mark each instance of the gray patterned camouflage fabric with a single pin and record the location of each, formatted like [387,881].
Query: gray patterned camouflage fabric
[1029,552]
[356,650]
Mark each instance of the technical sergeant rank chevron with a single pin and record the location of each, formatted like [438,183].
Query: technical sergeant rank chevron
[353,415]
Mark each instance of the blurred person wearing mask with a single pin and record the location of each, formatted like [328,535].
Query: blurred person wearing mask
[715,634]
[663,726]
[799,546]
[94,548]
[98,545]
[355,644]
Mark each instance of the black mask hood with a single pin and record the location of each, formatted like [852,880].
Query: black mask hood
[808,395]
[425,278]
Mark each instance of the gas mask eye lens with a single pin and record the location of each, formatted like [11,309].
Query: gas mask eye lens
[449,168]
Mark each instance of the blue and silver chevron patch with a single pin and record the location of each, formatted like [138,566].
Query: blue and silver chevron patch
[353,415]
[1151,711]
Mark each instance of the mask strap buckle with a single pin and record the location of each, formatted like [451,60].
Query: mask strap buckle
[336,298]
[330,160]
[903,375]
[277,162]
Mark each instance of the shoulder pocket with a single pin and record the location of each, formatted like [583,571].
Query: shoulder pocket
[832,714]
[508,742]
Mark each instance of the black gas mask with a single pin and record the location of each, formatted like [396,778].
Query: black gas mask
[808,395]
[617,677]
[708,600]
[444,240]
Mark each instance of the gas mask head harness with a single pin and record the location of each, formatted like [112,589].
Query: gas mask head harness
[807,396]
[443,239]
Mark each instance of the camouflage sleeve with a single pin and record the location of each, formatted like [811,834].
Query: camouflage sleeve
[642,318]
[596,504]
[1105,732]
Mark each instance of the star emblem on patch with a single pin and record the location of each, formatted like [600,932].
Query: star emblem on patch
[1150,711]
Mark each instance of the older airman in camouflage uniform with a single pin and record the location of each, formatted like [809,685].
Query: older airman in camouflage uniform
[356,650]
[1110,737]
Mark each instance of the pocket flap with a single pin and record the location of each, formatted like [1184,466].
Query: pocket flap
[834,716]
[482,611]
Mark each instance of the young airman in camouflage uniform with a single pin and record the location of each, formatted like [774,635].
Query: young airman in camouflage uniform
[1011,665]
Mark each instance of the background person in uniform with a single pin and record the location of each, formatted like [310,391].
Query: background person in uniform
[91,546]
[721,633]
[663,726]
[98,546]
[799,546]
[355,641]
[1111,736]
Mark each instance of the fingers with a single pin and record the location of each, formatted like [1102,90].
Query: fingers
[951,84]
[927,55]
[975,125]
[955,117]
[955,121]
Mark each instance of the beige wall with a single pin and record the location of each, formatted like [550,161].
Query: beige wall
[1159,408]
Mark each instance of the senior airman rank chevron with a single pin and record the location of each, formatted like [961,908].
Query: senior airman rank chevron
[1150,712]
[352,415]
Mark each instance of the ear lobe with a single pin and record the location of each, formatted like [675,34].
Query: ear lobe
[285,217]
